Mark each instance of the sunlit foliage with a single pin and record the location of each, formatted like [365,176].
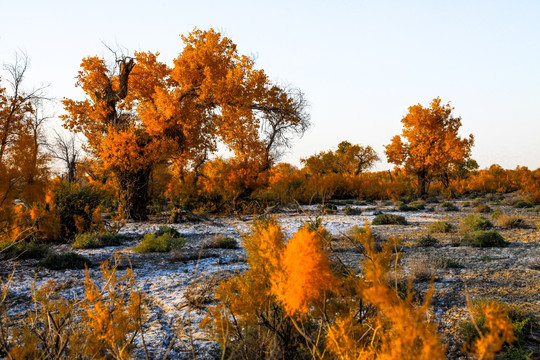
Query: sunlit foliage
[429,144]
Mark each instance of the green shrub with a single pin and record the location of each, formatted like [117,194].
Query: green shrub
[167,230]
[440,227]
[475,223]
[64,261]
[95,240]
[348,210]
[414,206]
[482,239]
[159,243]
[24,250]
[426,240]
[522,204]
[75,205]
[448,206]
[389,219]
[221,242]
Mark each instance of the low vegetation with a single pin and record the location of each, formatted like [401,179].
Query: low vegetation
[389,219]
[97,240]
[483,239]
[440,227]
[65,261]
[159,243]
[475,223]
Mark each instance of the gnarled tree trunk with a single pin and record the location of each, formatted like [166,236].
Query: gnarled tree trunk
[133,193]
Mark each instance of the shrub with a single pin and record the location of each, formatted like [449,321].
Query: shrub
[440,227]
[475,223]
[389,219]
[496,326]
[167,230]
[511,222]
[96,240]
[414,206]
[448,206]
[522,204]
[348,210]
[483,209]
[65,261]
[426,240]
[76,206]
[443,262]
[482,239]
[221,242]
[159,243]
[421,271]
[24,250]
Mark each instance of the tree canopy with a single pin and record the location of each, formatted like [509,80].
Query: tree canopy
[429,144]
[140,112]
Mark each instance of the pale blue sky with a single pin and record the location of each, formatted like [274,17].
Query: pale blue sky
[361,64]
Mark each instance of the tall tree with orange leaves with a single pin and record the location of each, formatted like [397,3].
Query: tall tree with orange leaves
[429,143]
[140,112]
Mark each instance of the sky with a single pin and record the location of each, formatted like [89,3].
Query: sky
[361,64]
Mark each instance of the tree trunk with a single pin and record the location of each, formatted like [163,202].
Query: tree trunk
[133,194]
[422,184]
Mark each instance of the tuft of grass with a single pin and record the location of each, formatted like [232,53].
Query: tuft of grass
[426,240]
[482,209]
[389,219]
[448,206]
[221,242]
[96,240]
[159,243]
[511,222]
[475,223]
[421,271]
[443,262]
[65,261]
[483,239]
[440,227]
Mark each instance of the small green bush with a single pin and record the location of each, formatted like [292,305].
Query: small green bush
[522,204]
[167,230]
[159,243]
[475,223]
[483,239]
[221,242]
[348,210]
[440,227]
[96,240]
[24,250]
[65,261]
[426,240]
[448,206]
[414,206]
[389,219]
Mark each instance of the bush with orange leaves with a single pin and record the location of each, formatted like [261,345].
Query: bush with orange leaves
[102,325]
[294,302]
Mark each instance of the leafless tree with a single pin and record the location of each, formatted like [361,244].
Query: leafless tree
[66,150]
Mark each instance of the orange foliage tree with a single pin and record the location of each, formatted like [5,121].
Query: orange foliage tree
[141,112]
[429,144]
[347,159]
